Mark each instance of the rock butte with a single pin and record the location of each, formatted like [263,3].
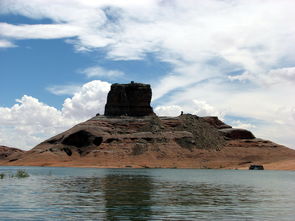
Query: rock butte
[129,134]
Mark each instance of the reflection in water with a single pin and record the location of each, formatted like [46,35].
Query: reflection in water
[148,195]
[127,197]
[203,201]
[77,197]
[112,197]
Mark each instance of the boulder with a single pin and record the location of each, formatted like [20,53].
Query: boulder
[235,133]
[129,100]
[256,167]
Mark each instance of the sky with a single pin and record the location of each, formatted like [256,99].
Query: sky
[234,59]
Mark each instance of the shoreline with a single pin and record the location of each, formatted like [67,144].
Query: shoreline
[287,165]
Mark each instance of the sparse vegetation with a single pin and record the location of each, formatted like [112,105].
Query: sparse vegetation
[18,174]
[21,174]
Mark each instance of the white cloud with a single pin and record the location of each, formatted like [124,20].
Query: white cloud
[44,31]
[6,44]
[202,108]
[169,110]
[269,78]
[243,125]
[203,41]
[97,71]
[69,89]
[30,121]
[89,101]
[281,75]
[197,107]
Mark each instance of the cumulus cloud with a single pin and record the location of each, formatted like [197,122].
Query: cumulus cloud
[97,71]
[169,110]
[198,107]
[88,101]
[30,121]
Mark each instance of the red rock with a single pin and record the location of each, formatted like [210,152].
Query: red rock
[215,122]
[6,153]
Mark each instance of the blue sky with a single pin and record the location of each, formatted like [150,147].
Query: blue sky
[233,59]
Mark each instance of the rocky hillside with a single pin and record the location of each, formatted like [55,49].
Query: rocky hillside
[9,152]
[131,135]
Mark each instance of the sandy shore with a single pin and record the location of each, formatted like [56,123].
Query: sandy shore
[236,155]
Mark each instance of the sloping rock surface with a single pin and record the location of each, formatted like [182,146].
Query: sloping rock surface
[186,141]
[103,133]
[131,135]
[215,122]
[9,153]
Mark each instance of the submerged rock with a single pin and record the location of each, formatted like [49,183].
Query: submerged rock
[256,167]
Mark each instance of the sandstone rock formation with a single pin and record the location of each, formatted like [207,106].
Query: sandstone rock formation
[129,100]
[236,133]
[131,135]
[215,122]
[186,141]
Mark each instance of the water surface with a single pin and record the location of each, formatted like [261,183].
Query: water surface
[146,194]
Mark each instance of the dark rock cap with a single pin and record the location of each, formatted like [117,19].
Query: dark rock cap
[129,99]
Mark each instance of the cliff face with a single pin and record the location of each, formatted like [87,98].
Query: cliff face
[129,100]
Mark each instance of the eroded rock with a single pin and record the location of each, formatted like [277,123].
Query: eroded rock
[235,133]
[215,122]
[129,100]
[82,138]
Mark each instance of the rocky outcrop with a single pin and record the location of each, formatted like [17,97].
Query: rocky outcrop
[186,141]
[215,122]
[256,167]
[227,131]
[131,135]
[134,135]
[129,100]
[236,133]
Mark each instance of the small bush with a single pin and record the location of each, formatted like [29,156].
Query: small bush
[2,175]
[21,174]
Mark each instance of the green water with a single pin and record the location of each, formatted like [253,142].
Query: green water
[146,194]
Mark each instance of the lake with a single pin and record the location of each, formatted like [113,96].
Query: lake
[52,193]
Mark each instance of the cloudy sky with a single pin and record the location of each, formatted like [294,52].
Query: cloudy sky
[230,58]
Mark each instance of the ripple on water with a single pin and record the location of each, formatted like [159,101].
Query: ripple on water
[147,194]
